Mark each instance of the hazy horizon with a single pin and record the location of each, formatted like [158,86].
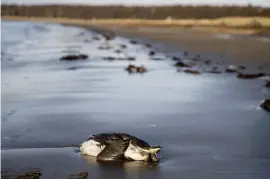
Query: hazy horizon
[263,3]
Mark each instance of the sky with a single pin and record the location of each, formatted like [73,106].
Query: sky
[264,3]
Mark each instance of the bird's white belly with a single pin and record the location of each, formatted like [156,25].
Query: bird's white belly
[135,153]
[91,147]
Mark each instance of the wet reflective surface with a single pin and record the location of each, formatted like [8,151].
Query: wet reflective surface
[209,125]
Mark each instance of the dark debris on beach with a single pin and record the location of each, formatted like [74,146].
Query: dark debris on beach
[182,64]
[267,84]
[250,76]
[82,175]
[74,57]
[191,71]
[266,105]
[29,175]
[135,69]
[133,42]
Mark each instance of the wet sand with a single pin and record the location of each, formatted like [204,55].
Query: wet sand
[234,48]
[209,125]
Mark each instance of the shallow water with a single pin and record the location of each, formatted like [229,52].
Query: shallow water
[209,125]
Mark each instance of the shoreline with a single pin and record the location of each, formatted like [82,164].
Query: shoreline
[237,46]
[232,25]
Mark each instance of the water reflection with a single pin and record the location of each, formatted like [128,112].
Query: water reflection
[124,169]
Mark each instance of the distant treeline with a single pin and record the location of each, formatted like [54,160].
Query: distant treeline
[155,12]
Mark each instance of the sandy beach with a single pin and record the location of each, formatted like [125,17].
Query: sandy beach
[237,46]
[210,125]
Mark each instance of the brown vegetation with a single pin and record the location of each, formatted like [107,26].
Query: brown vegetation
[134,12]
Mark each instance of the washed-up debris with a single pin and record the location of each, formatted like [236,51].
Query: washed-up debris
[195,59]
[231,69]
[123,45]
[104,47]
[250,76]
[87,40]
[108,35]
[175,58]
[266,105]
[148,45]
[110,58]
[213,70]
[119,147]
[157,58]
[182,64]
[131,58]
[191,71]
[118,51]
[73,68]
[82,175]
[133,42]
[74,57]
[207,62]
[241,67]
[95,38]
[135,69]
[29,175]
[267,84]
[152,53]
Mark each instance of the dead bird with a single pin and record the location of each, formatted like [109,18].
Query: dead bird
[74,57]
[95,38]
[267,84]
[131,68]
[152,53]
[148,45]
[30,175]
[133,42]
[109,58]
[82,175]
[207,62]
[242,67]
[104,47]
[250,76]
[119,147]
[231,69]
[123,45]
[191,71]
[118,51]
[183,64]
[135,69]
[131,58]
[266,105]
[175,58]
